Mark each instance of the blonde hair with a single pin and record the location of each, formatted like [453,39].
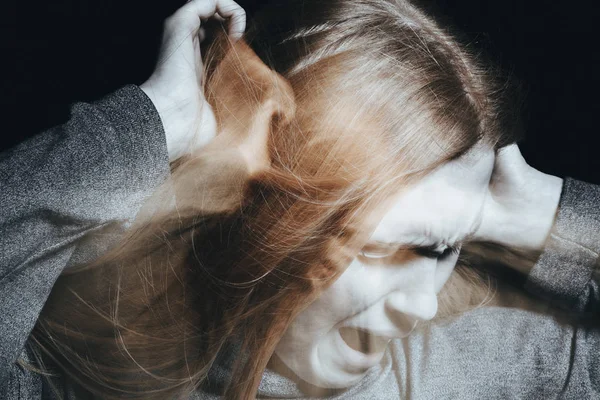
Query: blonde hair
[362,96]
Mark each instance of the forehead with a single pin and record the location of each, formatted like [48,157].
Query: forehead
[445,205]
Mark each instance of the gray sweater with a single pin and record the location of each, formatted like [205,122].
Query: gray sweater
[95,171]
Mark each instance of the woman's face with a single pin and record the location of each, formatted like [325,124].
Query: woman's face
[393,283]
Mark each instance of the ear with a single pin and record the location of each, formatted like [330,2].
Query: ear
[249,101]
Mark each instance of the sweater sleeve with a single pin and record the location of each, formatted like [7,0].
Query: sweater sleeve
[61,186]
[499,353]
[566,274]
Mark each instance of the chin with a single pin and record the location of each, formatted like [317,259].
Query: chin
[328,363]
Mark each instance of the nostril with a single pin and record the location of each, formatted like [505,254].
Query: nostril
[422,306]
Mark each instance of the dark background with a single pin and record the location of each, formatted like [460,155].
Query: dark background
[57,53]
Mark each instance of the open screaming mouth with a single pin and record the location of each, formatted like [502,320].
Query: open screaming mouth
[362,341]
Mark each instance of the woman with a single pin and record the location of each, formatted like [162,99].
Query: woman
[318,225]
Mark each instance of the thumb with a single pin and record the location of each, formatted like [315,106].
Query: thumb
[509,165]
[510,156]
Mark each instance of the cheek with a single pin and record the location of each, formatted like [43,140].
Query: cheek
[357,287]
[444,270]
[349,294]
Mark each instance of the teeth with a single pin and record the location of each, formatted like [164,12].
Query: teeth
[363,341]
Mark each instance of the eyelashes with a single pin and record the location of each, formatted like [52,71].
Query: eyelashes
[439,252]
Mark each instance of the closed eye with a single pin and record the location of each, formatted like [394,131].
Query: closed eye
[381,252]
[378,251]
[439,252]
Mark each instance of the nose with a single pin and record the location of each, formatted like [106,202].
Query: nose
[419,305]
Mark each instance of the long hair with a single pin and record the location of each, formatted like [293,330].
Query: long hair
[331,108]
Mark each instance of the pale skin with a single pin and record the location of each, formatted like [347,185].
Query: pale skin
[176,85]
[522,204]
[393,283]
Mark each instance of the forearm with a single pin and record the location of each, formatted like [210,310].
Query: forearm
[565,272]
[556,253]
[546,228]
[63,184]
[88,168]
[530,228]
[515,353]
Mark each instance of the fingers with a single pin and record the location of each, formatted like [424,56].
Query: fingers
[190,14]
[236,14]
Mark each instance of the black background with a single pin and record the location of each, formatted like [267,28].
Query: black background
[57,53]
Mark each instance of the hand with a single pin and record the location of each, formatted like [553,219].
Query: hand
[176,86]
[521,204]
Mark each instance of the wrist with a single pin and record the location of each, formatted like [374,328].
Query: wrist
[535,219]
[188,120]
